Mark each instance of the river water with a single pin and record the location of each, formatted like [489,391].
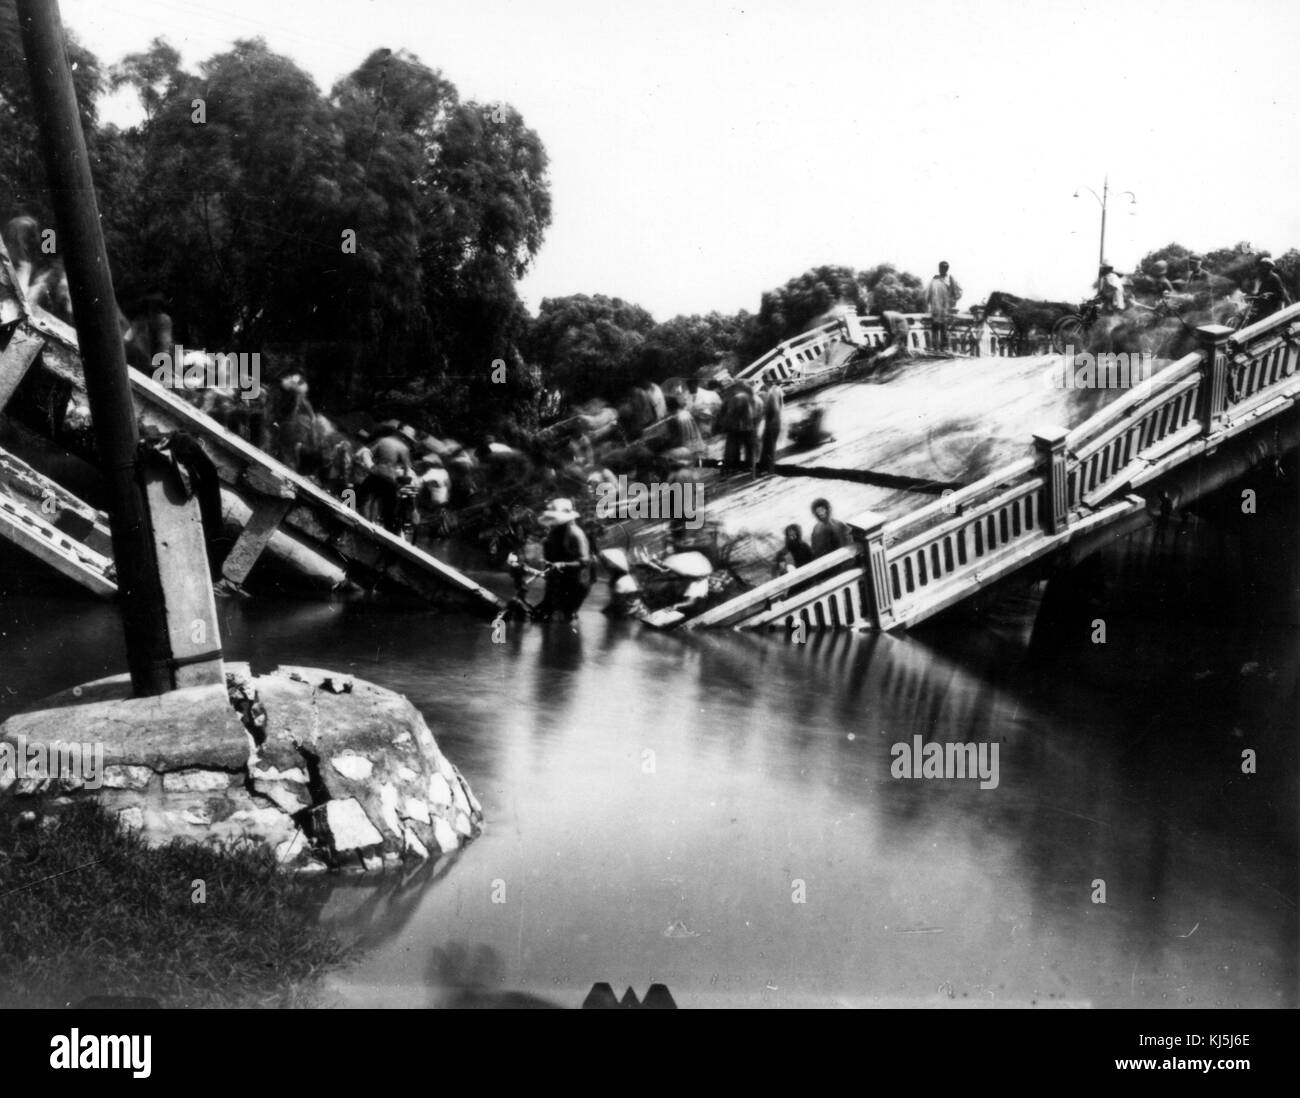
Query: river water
[717,812]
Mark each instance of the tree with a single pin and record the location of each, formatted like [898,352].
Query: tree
[454,200]
[486,208]
[239,209]
[588,346]
[789,310]
[23,184]
[884,287]
[383,228]
[1143,279]
[680,347]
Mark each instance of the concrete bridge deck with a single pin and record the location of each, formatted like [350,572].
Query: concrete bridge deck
[939,422]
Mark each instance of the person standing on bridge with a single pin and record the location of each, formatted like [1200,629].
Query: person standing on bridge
[683,432]
[739,420]
[1110,290]
[795,553]
[1197,279]
[941,298]
[1270,291]
[829,534]
[773,413]
[1160,284]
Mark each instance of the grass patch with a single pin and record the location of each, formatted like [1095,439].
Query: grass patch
[87,909]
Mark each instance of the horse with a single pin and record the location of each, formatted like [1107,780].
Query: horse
[1026,315]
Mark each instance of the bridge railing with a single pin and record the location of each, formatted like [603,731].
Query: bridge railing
[792,358]
[801,355]
[1201,395]
[919,569]
[842,564]
[913,566]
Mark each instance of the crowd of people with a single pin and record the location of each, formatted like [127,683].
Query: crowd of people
[403,478]
[1264,289]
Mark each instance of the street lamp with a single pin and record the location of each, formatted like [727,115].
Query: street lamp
[1102,200]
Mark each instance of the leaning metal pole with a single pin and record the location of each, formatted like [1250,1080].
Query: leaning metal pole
[94,304]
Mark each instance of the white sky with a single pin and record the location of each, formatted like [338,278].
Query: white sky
[702,152]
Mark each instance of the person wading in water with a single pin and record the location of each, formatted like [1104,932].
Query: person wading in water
[568,559]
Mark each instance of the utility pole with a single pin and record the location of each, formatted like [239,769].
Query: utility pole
[149,649]
[1103,200]
[1105,196]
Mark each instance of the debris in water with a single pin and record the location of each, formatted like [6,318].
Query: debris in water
[678,930]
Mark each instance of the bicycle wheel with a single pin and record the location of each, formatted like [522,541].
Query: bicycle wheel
[1068,332]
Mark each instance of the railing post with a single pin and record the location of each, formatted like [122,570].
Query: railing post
[878,590]
[1050,444]
[1213,401]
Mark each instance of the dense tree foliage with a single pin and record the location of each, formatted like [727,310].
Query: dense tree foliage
[588,346]
[22,174]
[598,346]
[374,236]
[885,287]
[686,345]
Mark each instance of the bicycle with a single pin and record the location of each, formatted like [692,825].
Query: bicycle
[1247,314]
[1072,330]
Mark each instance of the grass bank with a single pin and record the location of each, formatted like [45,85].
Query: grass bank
[88,910]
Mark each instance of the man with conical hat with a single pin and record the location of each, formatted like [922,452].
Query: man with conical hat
[568,561]
[625,599]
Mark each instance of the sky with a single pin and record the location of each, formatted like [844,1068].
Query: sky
[702,152]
